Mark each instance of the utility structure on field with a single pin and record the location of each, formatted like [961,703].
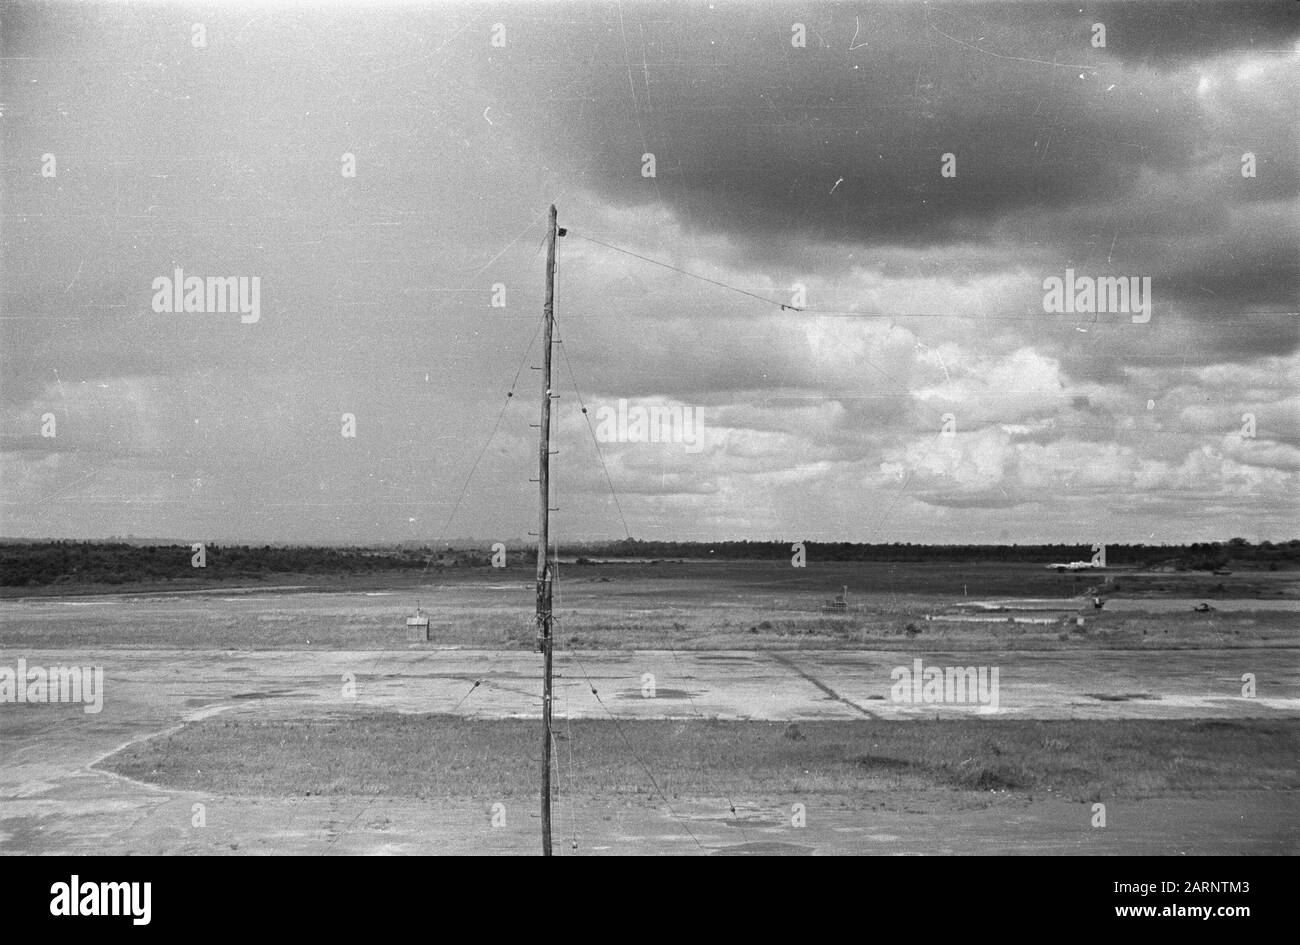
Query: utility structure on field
[545,577]
[546,562]
[417,625]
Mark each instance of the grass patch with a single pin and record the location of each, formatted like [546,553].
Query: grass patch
[713,606]
[443,756]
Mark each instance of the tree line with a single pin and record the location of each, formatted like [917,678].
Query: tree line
[1194,556]
[40,564]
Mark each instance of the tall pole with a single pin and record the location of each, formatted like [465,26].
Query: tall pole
[544,618]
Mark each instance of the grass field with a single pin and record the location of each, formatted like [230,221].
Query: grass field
[941,578]
[431,756]
[713,605]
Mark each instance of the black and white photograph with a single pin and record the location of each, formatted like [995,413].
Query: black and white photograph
[650,428]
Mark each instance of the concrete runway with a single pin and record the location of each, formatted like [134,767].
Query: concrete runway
[768,685]
[53,800]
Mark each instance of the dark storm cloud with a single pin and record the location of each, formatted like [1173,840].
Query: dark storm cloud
[1170,32]
[827,144]
[794,152]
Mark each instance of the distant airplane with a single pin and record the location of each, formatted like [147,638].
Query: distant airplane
[1073,566]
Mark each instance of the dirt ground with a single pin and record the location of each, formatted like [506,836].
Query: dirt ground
[55,798]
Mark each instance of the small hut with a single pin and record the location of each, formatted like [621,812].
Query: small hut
[417,626]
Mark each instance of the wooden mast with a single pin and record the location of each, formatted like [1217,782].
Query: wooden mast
[544,576]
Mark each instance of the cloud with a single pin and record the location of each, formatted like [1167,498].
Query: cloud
[779,170]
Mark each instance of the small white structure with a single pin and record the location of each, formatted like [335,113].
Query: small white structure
[417,626]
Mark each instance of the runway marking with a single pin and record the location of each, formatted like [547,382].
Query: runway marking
[789,664]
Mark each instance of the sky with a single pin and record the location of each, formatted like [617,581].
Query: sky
[826,234]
